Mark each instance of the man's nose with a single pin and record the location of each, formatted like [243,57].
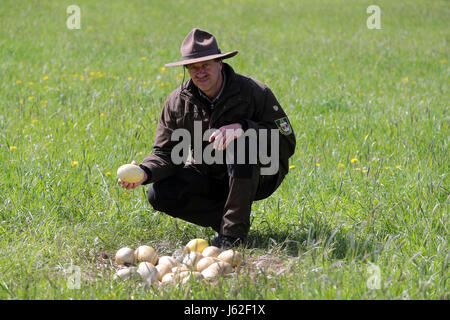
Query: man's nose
[201,74]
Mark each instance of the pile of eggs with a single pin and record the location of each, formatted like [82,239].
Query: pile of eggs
[198,262]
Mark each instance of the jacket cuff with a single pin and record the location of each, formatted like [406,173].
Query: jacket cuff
[148,172]
[244,124]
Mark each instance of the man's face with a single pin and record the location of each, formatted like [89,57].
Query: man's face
[206,75]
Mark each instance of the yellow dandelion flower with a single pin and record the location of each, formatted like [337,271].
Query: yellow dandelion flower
[75,75]
[291,166]
[81,77]
[30,83]
[45,78]
[163,69]
[111,95]
[130,78]
[317,164]
[12,148]
[114,77]
[399,167]
[341,165]
[181,74]
[161,84]
[143,58]
[443,61]
[18,81]
[102,114]
[108,173]
[405,80]
[140,153]
[91,78]
[74,163]
[30,98]
[354,160]
[387,168]
[34,121]
[365,170]
[358,169]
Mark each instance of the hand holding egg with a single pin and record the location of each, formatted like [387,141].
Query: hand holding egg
[131,175]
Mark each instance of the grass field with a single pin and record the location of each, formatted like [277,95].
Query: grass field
[369,181]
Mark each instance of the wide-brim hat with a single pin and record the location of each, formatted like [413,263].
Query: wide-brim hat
[200,45]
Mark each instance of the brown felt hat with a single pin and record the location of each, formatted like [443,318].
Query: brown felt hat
[200,45]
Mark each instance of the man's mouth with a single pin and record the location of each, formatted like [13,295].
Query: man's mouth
[202,80]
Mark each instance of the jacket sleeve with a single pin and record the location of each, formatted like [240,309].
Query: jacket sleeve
[270,115]
[158,165]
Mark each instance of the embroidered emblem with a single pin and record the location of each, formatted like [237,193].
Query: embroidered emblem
[284,125]
[275,107]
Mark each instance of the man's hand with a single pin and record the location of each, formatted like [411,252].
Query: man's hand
[127,185]
[226,134]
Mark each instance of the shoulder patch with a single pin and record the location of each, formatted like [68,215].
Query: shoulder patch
[284,126]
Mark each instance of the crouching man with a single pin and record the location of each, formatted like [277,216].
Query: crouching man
[240,143]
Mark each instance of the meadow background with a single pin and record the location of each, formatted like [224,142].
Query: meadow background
[369,181]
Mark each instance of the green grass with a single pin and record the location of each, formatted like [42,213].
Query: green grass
[379,96]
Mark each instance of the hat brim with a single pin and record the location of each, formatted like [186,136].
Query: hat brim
[205,58]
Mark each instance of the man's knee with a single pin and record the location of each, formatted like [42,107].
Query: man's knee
[153,197]
[267,186]
[164,196]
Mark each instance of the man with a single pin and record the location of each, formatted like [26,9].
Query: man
[219,194]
